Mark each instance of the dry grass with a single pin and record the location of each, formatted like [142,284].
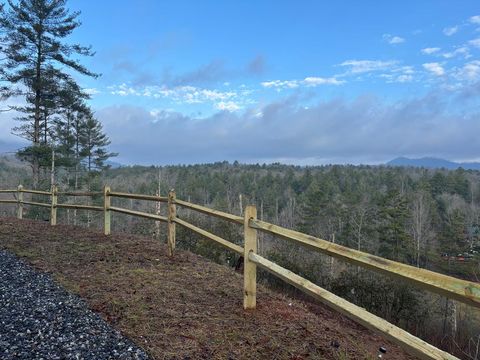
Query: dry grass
[184,307]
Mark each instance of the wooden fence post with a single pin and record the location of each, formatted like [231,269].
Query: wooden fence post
[249,267]
[53,209]
[106,209]
[172,214]
[19,202]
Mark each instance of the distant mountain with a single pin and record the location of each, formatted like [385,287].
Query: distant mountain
[433,163]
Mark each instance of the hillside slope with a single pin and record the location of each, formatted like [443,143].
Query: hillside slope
[185,307]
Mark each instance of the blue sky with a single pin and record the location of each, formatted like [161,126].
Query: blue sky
[304,82]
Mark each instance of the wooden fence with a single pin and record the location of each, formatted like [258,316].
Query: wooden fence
[460,290]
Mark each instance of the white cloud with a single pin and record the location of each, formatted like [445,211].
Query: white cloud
[396,40]
[391,78]
[475,19]
[393,39]
[391,70]
[155,112]
[188,94]
[435,68]
[315,81]
[220,100]
[215,94]
[123,90]
[404,78]
[292,84]
[364,66]
[475,42]
[227,106]
[469,72]
[465,51]
[310,81]
[449,31]
[399,74]
[91,91]
[404,69]
[430,50]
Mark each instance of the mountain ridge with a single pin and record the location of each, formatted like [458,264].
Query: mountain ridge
[433,163]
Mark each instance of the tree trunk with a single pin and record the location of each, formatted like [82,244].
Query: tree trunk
[36,121]
[332,260]
[158,206]
[240,203]
[76,187]
[52,171]
[77,159]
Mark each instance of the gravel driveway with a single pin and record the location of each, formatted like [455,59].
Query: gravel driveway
[40,320]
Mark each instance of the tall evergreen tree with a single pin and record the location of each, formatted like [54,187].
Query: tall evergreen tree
[5,90]
[394,238]
[38,58]
[94,145]
[313,200]
[70,108]
[453,238]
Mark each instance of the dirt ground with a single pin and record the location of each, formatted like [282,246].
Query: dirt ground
[185,307]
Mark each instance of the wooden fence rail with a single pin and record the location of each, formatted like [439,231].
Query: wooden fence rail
[79,207]
[464,291]
[4,201]
[456,289]
[77,193]
[225,243]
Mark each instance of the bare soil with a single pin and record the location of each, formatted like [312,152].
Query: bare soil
[185,307]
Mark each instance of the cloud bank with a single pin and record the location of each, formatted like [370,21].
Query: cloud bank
[365,130]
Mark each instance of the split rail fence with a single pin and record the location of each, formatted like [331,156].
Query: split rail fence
[460,290]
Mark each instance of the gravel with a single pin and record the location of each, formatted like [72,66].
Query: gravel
[40,320]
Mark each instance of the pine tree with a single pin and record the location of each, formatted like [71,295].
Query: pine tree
[41,152]
[94,142]
[453,237]
[313,200]
[38,59]
[394,238]
[4,88]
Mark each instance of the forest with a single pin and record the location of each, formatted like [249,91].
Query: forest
[423,217]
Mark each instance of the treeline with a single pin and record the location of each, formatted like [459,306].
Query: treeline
[408,215]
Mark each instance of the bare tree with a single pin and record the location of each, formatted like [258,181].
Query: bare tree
[358,218]
[421,225]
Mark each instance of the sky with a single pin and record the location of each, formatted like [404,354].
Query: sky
[298,82]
